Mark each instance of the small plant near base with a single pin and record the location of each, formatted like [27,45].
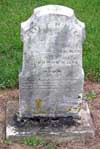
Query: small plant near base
[90,95]
[8,141]
[33,141]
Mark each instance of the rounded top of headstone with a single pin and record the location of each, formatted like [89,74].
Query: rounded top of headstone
[53,9]
[43,13]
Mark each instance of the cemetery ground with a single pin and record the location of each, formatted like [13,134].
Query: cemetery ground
[12,13]
[92,92]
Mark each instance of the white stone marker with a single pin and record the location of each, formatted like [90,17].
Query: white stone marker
[52,77]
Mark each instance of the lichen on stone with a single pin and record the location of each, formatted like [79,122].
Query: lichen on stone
[38,104]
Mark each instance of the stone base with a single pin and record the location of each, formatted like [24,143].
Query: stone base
[83,130]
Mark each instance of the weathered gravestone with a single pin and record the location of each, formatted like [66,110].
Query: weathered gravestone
[51,81]
[52,77]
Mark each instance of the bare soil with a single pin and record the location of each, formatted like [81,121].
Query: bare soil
[94,105]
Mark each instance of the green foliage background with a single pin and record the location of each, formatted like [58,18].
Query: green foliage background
[13,12]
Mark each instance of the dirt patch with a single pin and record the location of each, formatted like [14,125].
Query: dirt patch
[94,105]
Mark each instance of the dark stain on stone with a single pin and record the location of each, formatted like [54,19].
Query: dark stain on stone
[42,122]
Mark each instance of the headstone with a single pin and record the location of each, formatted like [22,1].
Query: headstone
[52,77]
[51,80]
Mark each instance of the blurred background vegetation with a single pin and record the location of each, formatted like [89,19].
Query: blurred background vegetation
[13,12]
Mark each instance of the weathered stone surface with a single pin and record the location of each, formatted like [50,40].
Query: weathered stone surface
[83,131]
[51,80]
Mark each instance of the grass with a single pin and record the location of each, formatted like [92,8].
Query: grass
[90,95]
[13,12]
[8,141]
[33,141]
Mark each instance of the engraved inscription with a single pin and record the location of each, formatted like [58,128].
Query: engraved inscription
[52,75]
